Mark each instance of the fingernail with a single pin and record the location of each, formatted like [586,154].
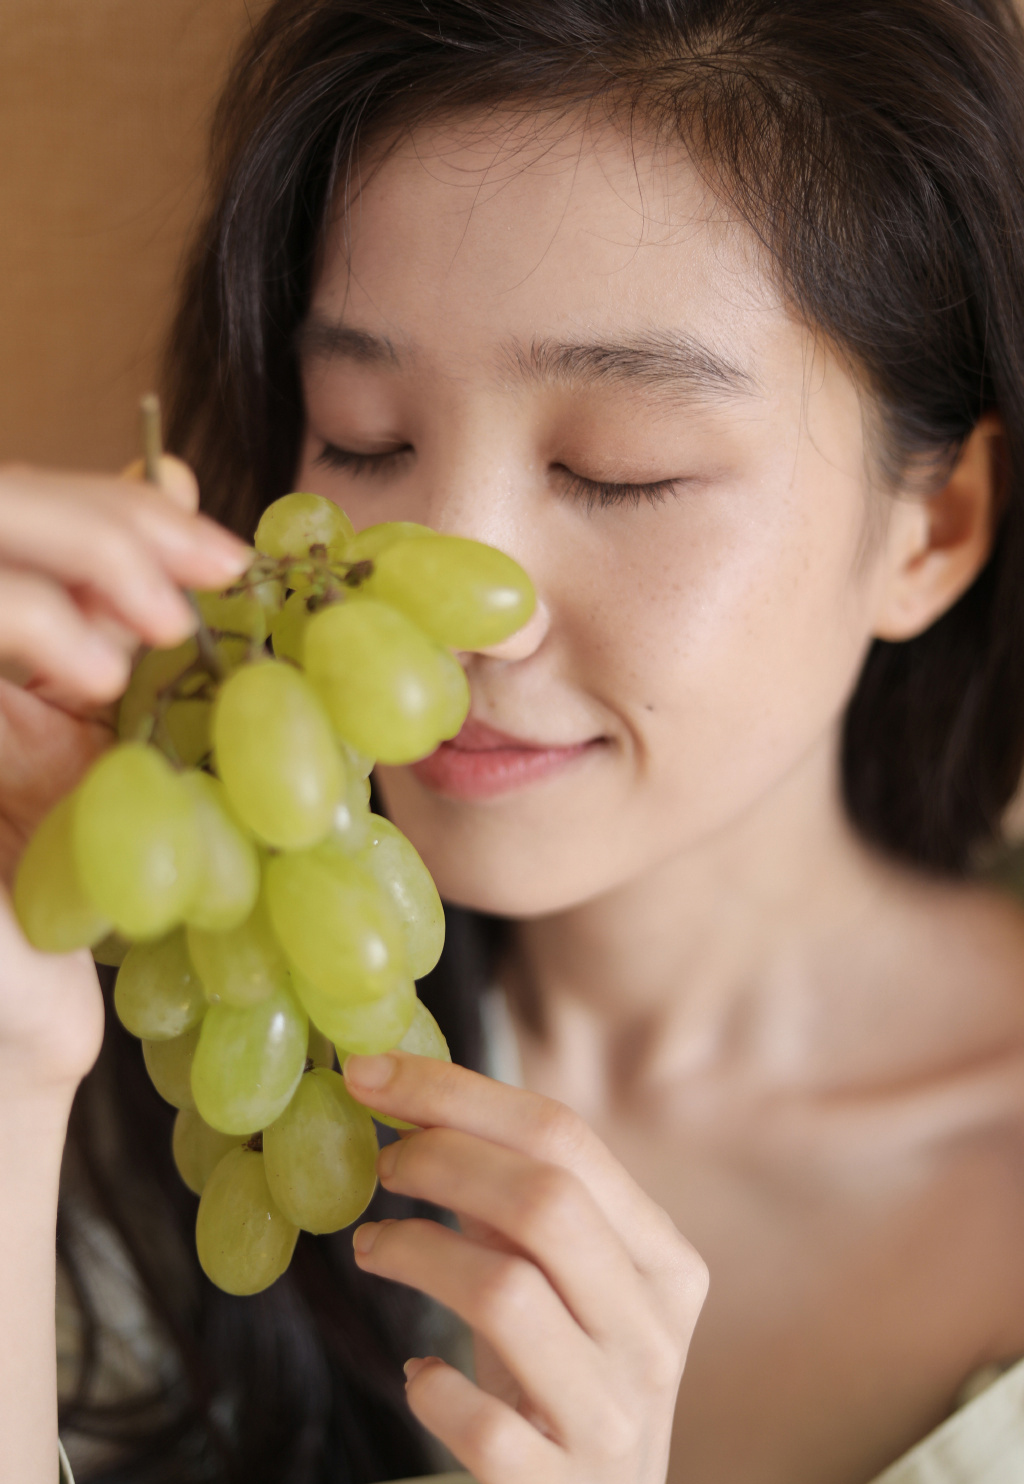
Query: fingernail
[365,1236]
[387,1159]
[371,1072]
[413,1367]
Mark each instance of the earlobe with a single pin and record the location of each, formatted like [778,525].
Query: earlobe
[936,546]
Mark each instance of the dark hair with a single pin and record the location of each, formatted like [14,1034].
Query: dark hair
[878,153]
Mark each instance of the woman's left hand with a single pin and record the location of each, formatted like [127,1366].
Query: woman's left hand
[581,1294]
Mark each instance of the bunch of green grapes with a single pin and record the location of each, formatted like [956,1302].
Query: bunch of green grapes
[223,854]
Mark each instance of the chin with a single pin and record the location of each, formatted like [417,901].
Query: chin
[519,857]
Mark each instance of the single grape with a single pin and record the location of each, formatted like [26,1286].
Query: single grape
[276,756]
[55,912]
[240,614]
[352,829]
[186,727]
[242,967]
[320,1156]
[320,1049]
[400,873]
[228,879]
[293,525]
[462,593]
[335,925]
[248,1062]
[136,841]
[423,1038]
[169,1064]
[288,630]
[357,765]
[154,674]
[112,951]
[368,543]
[157,995]
[243,1241]
[387,688]
[367,1027]
[197,1148]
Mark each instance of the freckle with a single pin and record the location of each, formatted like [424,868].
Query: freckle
[648,705]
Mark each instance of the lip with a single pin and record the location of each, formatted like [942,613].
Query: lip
[481,762]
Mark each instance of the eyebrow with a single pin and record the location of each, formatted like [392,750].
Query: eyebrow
[659,359]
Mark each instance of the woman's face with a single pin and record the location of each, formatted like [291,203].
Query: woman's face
[553,340]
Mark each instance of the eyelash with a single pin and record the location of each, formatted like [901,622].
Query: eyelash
[361,463]
[590,493]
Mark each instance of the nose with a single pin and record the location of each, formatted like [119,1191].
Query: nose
[524,642]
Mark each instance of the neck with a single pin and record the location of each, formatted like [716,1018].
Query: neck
[706,948]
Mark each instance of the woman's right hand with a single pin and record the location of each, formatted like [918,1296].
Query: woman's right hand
[90,568]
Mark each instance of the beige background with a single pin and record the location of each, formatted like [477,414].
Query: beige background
[104,106]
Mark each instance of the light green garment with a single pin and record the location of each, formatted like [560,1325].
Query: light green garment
[983,1443]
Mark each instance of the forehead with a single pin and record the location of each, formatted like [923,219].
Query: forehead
[503,231]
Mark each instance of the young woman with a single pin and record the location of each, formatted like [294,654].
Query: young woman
[709,312]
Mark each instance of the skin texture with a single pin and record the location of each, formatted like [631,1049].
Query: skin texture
[735,1022]
[811,1060]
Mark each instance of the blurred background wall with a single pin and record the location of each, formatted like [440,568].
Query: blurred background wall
[104,106]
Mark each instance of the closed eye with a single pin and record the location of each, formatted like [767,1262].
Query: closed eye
[370,464]
[599,494]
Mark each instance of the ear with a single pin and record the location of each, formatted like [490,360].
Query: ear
[935,547]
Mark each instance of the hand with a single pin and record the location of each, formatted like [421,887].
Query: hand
[581,1294]
[89,569]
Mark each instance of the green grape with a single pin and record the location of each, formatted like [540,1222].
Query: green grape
[387,688]
[158,996]
[367,1027]
[320,1156]
[136,841]
[320,1049]
[352,819]
[296,523]
[462,593]
[335,924]
[400,873]
[368,543]
[423,1038]
[248,1062]
[357,765]
[243,1241]
[228,879]
[276,756]
[197,1148]
[113,950]
[55,912]
[186,726]
[240,614]
[169,1064]
[154,674]
[288,630]
[242,967]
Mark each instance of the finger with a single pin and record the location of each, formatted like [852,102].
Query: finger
[43,633]
[176,481]
[119,539]
[493,1442]
[431,1093]
[506,1299]
[534,1206]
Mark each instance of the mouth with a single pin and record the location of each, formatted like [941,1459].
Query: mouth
[481,762]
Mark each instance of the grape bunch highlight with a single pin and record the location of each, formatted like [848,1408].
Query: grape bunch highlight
[223,855]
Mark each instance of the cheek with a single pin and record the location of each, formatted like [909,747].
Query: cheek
[715,658]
